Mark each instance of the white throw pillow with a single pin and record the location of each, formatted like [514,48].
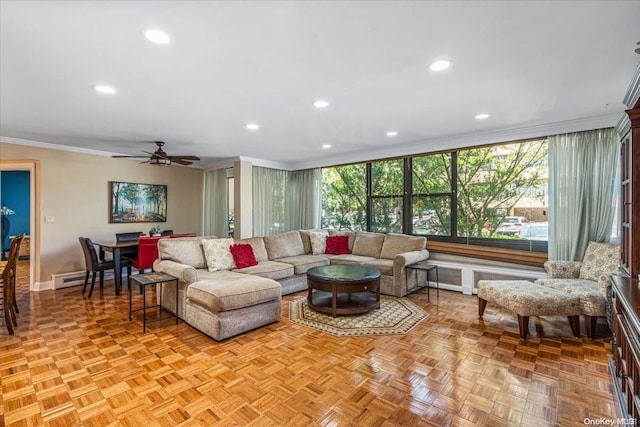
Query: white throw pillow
[218,254]
[318,241]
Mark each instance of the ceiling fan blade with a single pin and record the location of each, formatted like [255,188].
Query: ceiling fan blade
[146,161]
[156,154]
[181,162]
[128,157]
[185,157]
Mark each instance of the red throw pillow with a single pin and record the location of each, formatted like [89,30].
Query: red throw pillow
[243,255]
[337,245]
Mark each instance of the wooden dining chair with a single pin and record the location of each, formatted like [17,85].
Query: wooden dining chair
[94,265]
[129,237]
[8,283]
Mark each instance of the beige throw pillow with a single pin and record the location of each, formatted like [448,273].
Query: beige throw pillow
[218,254]
[318,241]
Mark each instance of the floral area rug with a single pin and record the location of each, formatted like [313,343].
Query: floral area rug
[396,316]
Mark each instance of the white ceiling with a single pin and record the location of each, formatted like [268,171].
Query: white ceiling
[534,66]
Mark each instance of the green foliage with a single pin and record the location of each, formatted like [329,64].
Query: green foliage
[492,180]
[344,197]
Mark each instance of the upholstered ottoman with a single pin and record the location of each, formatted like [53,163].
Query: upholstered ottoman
[232,303]
[528,299]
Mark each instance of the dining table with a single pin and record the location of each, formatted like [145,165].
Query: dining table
[117,248]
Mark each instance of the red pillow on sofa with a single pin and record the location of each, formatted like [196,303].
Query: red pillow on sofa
[243,255]
[337,245]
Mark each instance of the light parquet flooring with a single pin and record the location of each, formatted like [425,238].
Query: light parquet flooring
[76,361]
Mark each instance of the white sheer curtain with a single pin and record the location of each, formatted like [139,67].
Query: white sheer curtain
[284,200]
[216,209]
[305,199]
[582,170]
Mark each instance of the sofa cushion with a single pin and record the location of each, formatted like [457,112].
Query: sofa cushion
[259,250]
[306,242]
[368,244]
[243,255]
[318,241]
[284,245]
[185,250]
[230,290]
[302,263]
[337,245]
[384,266]
[349,259]
[269,269]
[218,254]
[600,258]
[395,244]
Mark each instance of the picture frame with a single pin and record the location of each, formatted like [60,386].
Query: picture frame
[134,202]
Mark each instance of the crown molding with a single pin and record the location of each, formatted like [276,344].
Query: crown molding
[633,91]
[468,140]
[49,146]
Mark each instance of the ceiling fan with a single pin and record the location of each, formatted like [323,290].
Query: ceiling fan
[160,158]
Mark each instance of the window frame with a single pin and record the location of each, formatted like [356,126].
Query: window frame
[408,199]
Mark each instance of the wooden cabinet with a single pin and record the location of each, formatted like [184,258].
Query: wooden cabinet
[625,292]
[625,364]
[629,131]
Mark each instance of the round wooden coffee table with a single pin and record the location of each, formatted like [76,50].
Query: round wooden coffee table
[343,289]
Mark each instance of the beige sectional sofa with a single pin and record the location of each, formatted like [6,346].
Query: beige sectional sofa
[224,303]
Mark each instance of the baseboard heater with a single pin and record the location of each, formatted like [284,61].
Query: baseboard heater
[75,278]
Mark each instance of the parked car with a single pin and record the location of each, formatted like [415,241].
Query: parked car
[512,225]
[535,231]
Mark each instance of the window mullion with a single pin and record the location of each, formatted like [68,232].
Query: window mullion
[454,194]
[407,223]
[369,195]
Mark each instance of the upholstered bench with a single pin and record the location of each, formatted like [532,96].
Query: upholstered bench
[232,303]
[528,299]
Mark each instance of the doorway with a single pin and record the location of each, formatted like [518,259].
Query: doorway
[30,167]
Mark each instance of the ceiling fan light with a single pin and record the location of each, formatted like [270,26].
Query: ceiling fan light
[159,161]
[157,36]
[440,65]
[104,89]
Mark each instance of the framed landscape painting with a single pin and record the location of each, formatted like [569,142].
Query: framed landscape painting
[131,202]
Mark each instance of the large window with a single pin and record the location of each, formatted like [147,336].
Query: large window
[432,194]
[501,190]
[493,196]
[387,189]
[344,197]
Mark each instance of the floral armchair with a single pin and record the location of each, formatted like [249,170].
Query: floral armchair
[589,279]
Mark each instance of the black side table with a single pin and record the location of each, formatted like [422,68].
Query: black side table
[424,267]
[145,280]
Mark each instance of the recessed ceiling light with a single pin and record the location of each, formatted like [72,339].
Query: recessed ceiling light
[157,36]
[482,116]
[440,65]
[321,104]
[253,126]
[104,89]
[326,145]
[392,133]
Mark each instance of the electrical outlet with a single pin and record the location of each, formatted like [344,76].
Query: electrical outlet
[49,219]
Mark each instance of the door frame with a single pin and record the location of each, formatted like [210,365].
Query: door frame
[33,167]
